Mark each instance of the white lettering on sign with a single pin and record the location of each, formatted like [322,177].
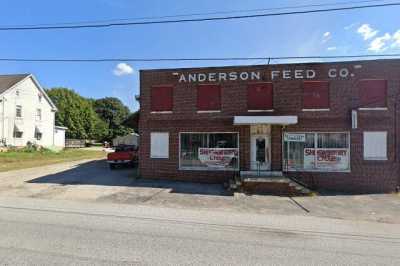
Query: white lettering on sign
[285,74]
[295,137]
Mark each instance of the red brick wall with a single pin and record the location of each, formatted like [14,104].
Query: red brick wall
[365,176]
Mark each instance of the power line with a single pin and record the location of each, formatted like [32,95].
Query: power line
[137,23]
[99,60]
[194,14]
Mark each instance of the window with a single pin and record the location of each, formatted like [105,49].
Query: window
[209,97]
[260,96]
[209,151]
[161,99]
[159,145]
[38,114]
[316,151]
[18,111]
[38,133]
[17,132]
[372,93]
[17,92]
[40,97]
[315,95]
[375,145]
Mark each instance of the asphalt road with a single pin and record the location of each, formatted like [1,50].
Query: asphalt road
[56,232]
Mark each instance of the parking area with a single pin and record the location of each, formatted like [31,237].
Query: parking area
[93,181]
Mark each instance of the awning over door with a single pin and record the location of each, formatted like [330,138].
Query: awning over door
[271,120]
[38,129]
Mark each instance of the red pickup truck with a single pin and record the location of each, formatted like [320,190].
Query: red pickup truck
[124,154]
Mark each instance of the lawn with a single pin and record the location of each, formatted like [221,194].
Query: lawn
[19,160]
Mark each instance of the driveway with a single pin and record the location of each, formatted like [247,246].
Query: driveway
[92,181]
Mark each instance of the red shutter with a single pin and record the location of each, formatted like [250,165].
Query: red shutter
[316,95]
[260,96]
[161,98]
[208,97]
[372,93]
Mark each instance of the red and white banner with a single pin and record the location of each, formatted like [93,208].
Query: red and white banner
[219,157]
[328,159]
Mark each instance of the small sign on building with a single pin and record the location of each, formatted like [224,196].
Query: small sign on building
[295,137]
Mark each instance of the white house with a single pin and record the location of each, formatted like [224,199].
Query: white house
[27,114]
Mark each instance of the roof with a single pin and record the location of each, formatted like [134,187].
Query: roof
[7,81]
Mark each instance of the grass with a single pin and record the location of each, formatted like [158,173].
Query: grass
[14,160]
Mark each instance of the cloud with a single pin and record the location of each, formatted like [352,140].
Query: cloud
[352,25]
[123,69]
[379,43]
[366,31]
[326,36]
[332,48]
[396,40]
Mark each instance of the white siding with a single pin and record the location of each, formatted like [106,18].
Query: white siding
[28,98]
[59,137]
[375,145]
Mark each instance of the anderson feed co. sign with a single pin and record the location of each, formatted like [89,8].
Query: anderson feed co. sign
[257,75]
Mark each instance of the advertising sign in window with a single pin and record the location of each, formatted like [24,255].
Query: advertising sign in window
[326,159]
[218,157]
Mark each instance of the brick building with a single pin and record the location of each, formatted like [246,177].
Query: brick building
[331,126]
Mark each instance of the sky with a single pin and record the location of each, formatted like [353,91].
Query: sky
[367,31]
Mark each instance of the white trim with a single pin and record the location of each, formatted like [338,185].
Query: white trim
[209,111]
[272,120]
[373,109]
[316,110]
[256,111]
[161,112]
[195,168]
[316,142]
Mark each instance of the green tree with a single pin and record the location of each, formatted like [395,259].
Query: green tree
[77,114]
[113,112]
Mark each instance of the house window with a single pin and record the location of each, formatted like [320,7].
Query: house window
[260,96]
[316,95]
[18,111]
[38,134]
[159,145]
[375,145]
[17,133]
[208,97]
[40,97]
[372,93]
[209,151]
[38,114]
[316,151]
[17,92]
[161,99]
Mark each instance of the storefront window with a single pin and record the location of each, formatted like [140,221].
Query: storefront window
[316,152]
[213,151]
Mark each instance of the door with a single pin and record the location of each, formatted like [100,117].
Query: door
[260,152]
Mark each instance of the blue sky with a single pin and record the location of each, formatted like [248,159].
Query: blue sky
[337,33]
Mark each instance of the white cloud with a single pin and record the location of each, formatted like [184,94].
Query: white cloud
[396,40]
[123,69]
[379,43]
[332,48]
[352,25]
[326,37]
[366,31]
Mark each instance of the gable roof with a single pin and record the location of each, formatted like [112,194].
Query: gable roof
[7,81]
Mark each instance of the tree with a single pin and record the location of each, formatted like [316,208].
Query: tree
[77,114]
[113,112]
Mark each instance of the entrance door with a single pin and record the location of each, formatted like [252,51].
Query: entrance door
[260,152]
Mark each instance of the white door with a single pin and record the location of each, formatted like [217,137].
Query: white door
[260,152]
